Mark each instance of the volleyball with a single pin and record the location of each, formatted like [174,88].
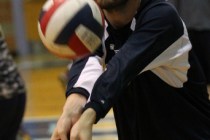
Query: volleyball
[71,28]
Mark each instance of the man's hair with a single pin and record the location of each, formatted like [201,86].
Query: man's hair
[121,3]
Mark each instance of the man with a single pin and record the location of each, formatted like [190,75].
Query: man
[12,94]
[152,79]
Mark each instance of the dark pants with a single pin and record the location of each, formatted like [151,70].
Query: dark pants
[11,114]
[201,43]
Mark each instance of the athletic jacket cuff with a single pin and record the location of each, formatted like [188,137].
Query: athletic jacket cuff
[78,90]
[98,109]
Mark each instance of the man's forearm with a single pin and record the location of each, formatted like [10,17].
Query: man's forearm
[75,103]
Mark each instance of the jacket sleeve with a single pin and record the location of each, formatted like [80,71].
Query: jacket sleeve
[83,74]
[11,82]
[155,31]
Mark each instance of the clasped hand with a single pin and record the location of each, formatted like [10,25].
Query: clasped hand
[73,124]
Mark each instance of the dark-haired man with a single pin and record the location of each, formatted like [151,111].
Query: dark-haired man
[151,79]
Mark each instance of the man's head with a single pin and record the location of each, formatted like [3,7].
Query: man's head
[111,4]
[119,12]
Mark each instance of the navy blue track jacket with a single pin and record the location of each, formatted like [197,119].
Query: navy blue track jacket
[152,78]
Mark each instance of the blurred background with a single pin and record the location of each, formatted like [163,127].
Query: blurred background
[43,73]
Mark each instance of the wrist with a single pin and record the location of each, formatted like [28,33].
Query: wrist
[89,115]
[100,113]
[75,102]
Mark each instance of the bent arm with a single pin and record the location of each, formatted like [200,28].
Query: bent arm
[154,33]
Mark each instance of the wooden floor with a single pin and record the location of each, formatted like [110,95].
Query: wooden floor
[45,92]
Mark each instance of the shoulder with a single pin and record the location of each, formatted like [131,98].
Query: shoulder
[163,12]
